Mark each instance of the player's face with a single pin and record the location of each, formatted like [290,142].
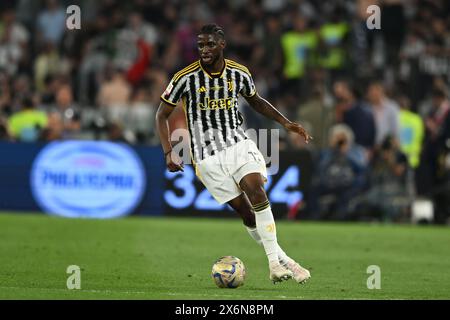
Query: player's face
[210,48]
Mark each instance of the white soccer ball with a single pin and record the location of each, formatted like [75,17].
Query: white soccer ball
[228,272]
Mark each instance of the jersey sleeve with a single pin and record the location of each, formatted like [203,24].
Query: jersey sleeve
[174,91]
[248,89]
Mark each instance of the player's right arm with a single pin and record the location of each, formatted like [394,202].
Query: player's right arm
[173,162]
[169,100]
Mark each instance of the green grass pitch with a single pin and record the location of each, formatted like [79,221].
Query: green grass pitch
[171,258]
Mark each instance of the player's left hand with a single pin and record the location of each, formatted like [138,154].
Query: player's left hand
[297,128]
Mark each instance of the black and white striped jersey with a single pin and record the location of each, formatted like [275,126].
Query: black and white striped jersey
[210,102]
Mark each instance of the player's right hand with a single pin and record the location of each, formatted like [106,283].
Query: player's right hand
[174,163]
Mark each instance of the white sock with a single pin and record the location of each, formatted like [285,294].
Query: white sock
[265,225]
[253,232]
[282,256]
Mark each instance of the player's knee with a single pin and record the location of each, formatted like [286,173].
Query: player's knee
[257,195]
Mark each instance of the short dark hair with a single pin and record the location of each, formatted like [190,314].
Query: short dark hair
[213,29]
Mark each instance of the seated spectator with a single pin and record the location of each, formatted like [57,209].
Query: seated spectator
[387,198]
[65,104]
[355,114]
[341,175]
[26,125]
[55,128]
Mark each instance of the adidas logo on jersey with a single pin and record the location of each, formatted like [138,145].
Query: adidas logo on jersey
[229,83]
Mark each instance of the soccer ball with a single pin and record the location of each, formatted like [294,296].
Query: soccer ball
[228,272]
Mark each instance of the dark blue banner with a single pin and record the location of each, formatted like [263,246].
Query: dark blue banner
[82,179]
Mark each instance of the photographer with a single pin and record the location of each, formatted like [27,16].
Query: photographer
[341,176]
[388,196]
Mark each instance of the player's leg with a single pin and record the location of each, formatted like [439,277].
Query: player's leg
[249,173]
[244,208]
[253,185]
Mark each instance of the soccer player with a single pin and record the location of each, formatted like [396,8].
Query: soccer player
[227,162]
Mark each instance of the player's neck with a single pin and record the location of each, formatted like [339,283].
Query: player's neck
[216,67]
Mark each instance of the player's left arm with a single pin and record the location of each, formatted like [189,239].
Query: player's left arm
[265,108]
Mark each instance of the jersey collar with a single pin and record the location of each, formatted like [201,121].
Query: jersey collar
[215,75]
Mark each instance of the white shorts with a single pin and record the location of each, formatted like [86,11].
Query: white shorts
[222,172]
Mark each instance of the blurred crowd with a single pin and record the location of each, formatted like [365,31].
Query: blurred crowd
[375,100]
